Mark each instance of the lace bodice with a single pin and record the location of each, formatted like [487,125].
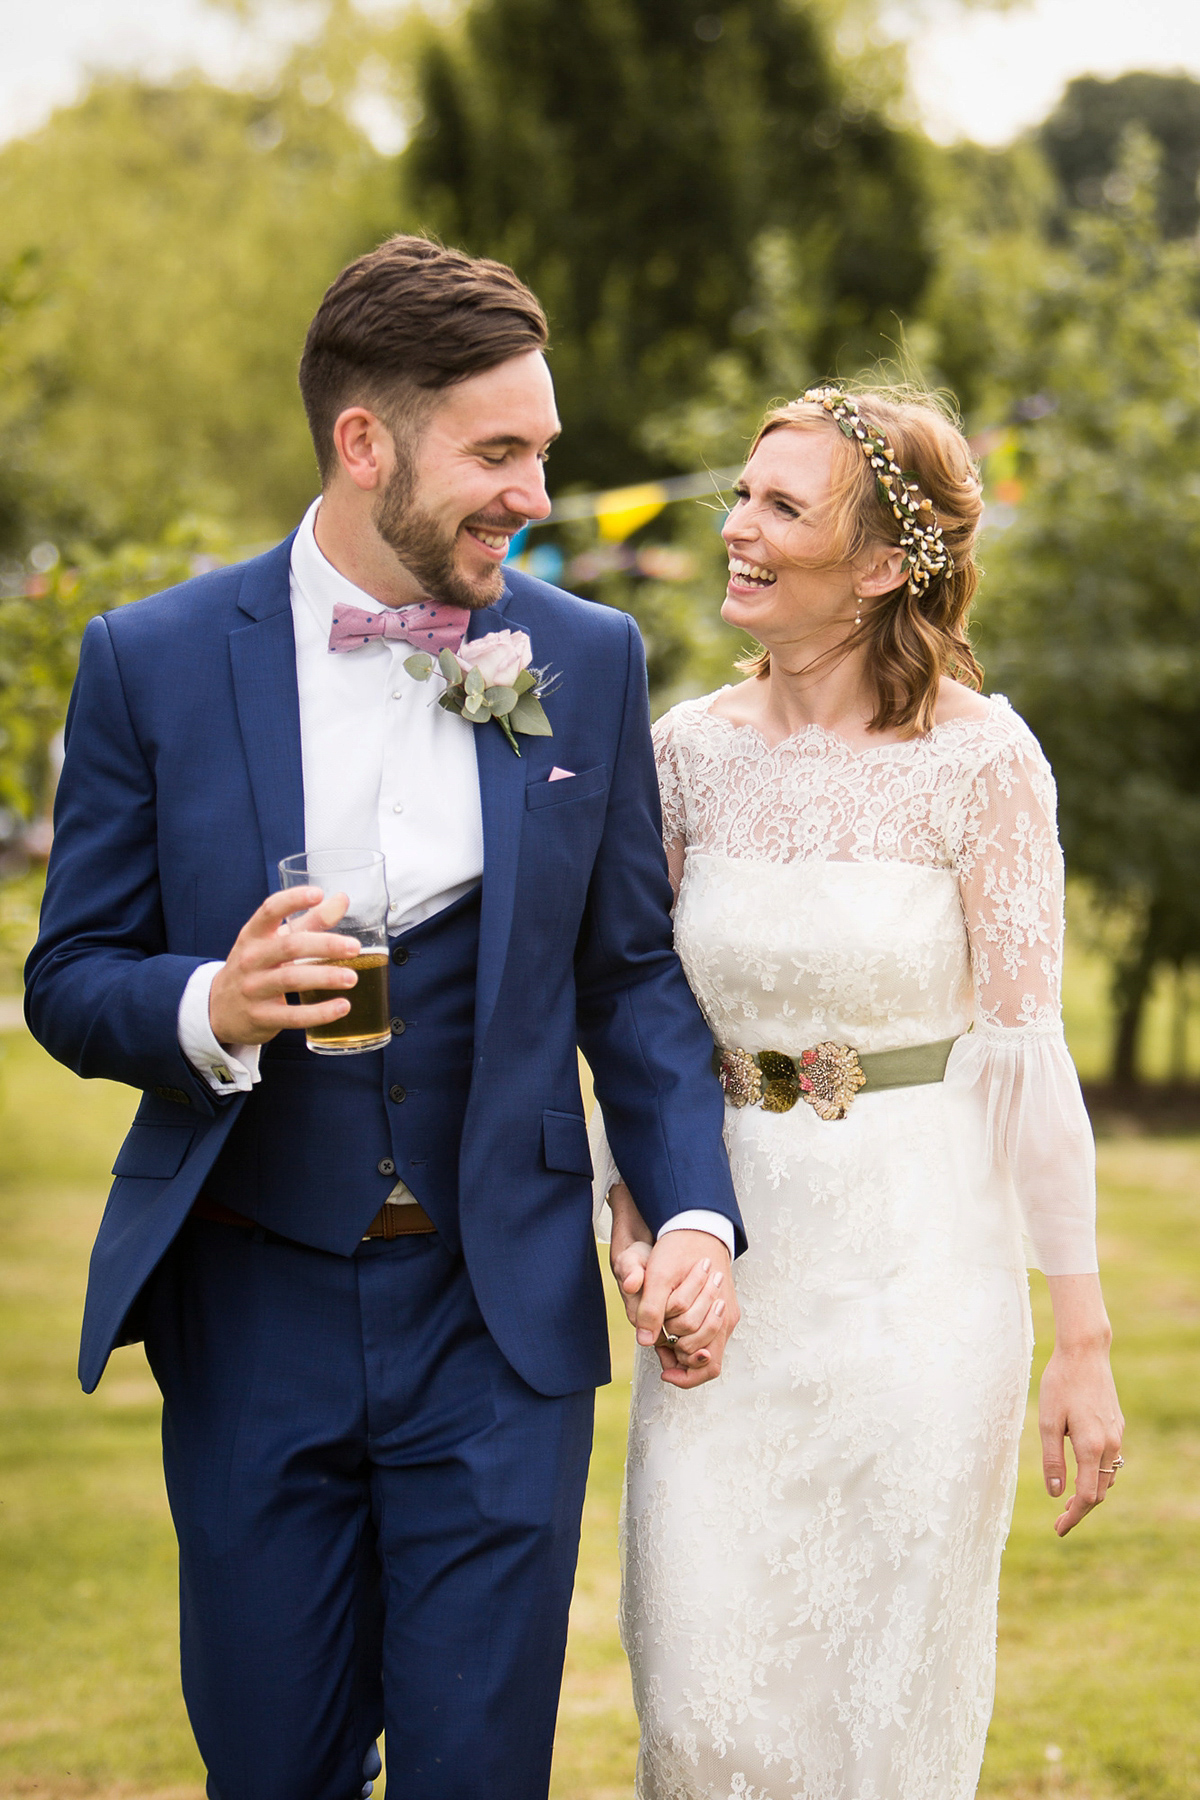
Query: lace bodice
[974,798]
[892,895]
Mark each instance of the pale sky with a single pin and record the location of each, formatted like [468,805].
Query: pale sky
[977,75]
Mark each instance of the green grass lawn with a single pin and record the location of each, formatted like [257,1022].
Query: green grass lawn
[1099,1653]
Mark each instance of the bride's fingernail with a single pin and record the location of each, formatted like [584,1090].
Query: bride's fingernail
[1055,1485]
[706,1265]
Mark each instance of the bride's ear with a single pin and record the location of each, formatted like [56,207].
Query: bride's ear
[881,572]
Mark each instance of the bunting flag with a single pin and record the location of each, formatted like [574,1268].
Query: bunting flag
[620,511]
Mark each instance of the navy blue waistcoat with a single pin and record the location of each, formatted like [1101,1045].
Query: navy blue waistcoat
[323,1137]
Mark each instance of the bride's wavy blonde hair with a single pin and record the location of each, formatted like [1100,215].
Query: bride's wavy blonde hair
[911,640]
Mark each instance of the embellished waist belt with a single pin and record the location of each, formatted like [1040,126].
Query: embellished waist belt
[827,1076]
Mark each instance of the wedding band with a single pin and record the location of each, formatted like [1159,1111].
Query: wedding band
[1118,1463]
[668,1340]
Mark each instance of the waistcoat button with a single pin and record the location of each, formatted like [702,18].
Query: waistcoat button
[399,956]
[385,1166]
[398,1026]
[397,1093]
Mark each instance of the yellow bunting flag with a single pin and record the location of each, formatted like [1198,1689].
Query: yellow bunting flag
[620,512]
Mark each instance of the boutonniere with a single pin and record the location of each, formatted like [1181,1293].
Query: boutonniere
[490,678]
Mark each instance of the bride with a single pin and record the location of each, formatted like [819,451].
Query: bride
[869,909]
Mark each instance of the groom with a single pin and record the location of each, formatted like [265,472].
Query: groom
[367,1285]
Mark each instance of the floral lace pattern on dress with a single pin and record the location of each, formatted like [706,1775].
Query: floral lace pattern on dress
[975,796]
[812,1543]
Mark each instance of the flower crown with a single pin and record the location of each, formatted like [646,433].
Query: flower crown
[925,553]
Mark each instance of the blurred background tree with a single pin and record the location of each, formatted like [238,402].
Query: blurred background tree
[627,156]
[1082,137]
[1091,621]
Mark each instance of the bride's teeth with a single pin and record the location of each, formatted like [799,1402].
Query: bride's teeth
[750,571]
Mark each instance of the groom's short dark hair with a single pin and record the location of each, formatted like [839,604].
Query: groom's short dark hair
[404,322]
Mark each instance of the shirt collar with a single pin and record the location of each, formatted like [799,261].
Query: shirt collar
[320,585]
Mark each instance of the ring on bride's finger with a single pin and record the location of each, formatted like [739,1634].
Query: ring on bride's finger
[666,1339]
[1117,1463]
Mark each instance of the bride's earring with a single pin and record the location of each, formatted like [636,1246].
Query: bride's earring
[857,611]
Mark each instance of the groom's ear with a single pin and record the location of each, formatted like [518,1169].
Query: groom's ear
[365,448]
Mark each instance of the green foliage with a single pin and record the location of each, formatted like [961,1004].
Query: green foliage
[41,627]
[1092,618]
[180,238]
[626,156]
[1082,141]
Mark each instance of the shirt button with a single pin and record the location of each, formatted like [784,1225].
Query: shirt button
[385,1166]
[399,956]
[398,1027]
[397,808]
[397,1093]
[398,695]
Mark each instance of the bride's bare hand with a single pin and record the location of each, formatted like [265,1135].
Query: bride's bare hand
[1078,1400]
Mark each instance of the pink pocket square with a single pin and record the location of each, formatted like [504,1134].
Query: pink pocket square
[557,774]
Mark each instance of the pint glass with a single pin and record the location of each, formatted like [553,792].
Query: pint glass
[359,874]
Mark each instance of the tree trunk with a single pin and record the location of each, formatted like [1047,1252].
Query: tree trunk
[1131,986]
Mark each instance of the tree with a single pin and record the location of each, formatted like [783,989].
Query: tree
[42,623]
[181,237]
[1091,616]
[626,156]
[1082,137]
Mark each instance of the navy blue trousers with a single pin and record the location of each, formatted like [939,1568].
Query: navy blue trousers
[378,1521]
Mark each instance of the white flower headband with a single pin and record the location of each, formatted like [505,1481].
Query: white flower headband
[925,553]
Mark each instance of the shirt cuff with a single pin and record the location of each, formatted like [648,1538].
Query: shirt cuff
[232,1070]
[698,1220]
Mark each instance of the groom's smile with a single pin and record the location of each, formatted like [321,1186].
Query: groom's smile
[474,477]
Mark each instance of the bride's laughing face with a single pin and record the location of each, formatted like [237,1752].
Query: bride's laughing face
[779,542]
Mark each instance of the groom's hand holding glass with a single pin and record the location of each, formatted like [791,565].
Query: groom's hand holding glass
[678,1293]
[271,959]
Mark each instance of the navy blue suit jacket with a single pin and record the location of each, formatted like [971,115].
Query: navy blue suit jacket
[181,790]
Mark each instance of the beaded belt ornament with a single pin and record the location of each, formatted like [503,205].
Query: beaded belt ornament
[827,1076]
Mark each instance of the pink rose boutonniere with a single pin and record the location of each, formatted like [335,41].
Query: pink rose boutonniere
[490,678]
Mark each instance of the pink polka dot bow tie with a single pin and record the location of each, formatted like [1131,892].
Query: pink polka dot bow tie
[426,626]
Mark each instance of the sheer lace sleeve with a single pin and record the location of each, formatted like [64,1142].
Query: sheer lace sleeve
[1010,874]
[671,795]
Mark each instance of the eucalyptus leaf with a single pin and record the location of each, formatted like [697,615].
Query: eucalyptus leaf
[449,665]
[524,681]
[475,704]
[452,700]
[475,683]
[501,700]
[528,716]
[420,666]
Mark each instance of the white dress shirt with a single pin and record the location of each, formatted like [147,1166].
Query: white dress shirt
[385,768]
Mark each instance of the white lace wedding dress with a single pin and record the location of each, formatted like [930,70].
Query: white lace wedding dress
[812,1543]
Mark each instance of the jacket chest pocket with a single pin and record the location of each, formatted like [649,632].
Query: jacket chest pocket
[567,791]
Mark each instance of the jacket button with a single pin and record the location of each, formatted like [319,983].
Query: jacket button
[397,1093]
[385,1166]
[399,956]
[398,1026]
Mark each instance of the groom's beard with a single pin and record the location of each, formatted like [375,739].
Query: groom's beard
[428,551]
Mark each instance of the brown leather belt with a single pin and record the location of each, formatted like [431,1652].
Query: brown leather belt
[391,1221]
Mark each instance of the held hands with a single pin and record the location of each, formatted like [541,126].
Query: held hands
[680,1286]
[271,959]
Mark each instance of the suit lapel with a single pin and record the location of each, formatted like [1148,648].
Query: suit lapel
[502,780]
[263,657]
